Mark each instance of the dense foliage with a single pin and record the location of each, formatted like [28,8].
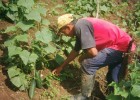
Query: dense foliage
[32,45]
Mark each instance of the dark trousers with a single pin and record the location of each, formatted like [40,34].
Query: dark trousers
[106,57]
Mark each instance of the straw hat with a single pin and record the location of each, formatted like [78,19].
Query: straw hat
[64,20]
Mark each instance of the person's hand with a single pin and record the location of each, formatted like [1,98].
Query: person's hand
[57,71]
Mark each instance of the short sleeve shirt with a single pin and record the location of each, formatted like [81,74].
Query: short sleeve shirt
[84,35]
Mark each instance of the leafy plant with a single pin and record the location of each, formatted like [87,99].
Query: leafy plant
[30,46]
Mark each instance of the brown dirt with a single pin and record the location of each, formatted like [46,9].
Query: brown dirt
[60,89]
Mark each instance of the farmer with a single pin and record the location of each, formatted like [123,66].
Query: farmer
[103,44]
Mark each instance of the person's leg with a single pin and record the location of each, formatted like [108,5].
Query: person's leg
[112,75]
[87,83]
[113,72]
[90,65]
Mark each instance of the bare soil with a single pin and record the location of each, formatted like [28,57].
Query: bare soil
[60,90]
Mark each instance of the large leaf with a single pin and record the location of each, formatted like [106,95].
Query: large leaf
[26,3]
[16,81]
[17,78]
[13,71]
[13,50]
[24,55]
[25,25]
[12,16]
[44,36]
[9,42]
[34,15]
[10,29]
[136,90]
[24,82]
[45,22]
[42,10]
[50,49]
[13,7]
[118,90]
[33,57]
[23,38]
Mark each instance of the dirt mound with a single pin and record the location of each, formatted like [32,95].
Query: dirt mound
[100,89]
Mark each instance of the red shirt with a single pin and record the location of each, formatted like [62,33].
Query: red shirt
[108,35]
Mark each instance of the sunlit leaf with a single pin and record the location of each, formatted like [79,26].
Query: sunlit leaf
[44,36]
[34,15]
[13,50]
[13,7]
[10,29]
[33,57]
[13,71]
[42,10]
[23,38]
[25,25]
[45,22]
[24,55]
[26,3]
[136,90]
[65,38]
[16,81]
[50,49]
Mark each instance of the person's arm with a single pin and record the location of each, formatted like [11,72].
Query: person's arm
[71,57]
[89,53]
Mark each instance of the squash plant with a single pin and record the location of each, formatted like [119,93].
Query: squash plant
[31,44]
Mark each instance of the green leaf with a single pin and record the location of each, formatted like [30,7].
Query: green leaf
[23,81]
[33,57]
[42,10]
[114,97]
[119,90]
[34,15]
[59,59]
[23,38]
[24,55]
[44,36]
[65,38]
[73,43]
[26,3]
[13,7]
[13,50]
[10,29]
[25,25]
[104,8]
[45,22]
[13,71]
[136,90]
[50,49]
[12,16]
[16,81]
[9,42]
[17,78]
[69,49]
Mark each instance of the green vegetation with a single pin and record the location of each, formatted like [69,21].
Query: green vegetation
[32,45]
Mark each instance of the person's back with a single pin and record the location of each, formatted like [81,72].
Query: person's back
[108,35]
